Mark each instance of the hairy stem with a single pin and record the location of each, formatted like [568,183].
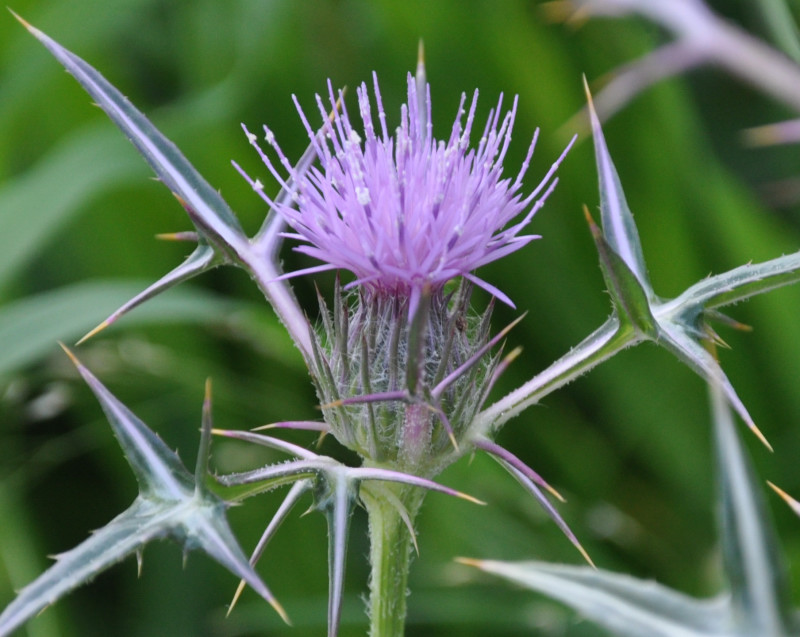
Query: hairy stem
[390,555]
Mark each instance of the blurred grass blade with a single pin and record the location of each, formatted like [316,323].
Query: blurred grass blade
[760,589]
[38,203]
[30,328]
[778,18]
[209,212]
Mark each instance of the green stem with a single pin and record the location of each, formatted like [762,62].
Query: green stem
[390,556]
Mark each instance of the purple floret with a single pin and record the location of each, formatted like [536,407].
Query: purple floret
[406,211]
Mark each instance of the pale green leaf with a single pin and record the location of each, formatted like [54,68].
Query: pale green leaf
[760,588]
[624,605]
[619,228]
[170,504]
[739,284]
[631,300]
[142,522]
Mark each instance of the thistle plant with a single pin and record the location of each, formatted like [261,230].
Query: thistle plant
[403,359]
[401,364]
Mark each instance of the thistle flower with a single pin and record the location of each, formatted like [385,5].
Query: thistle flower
[408,211]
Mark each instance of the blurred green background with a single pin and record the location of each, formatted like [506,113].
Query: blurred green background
[628,444]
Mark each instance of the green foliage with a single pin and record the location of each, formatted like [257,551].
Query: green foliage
[627,444]
[757,599]
[171,503]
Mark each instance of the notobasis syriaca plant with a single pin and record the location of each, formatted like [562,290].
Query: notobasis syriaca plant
[402,361]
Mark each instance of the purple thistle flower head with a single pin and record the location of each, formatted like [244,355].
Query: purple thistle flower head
[406,212]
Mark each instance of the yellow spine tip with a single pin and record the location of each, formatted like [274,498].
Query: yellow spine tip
[761,437]
[469,498]
[280,610]
[180,199]
[588,93]
[555,494]
[69,353]
[334,404]
[786,497]
[21,20]
[236,596]
[468,561]
[263,427]
[453,440]
[96,330]
[586,556]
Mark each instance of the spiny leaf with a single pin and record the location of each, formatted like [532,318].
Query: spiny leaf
[619,228]
[741,283]
[335,488]
[631,300]
[626,606]
[170,504]
[162,477]
[127,533]
[158,470]
[678,324]
[760,594]
[760,589]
